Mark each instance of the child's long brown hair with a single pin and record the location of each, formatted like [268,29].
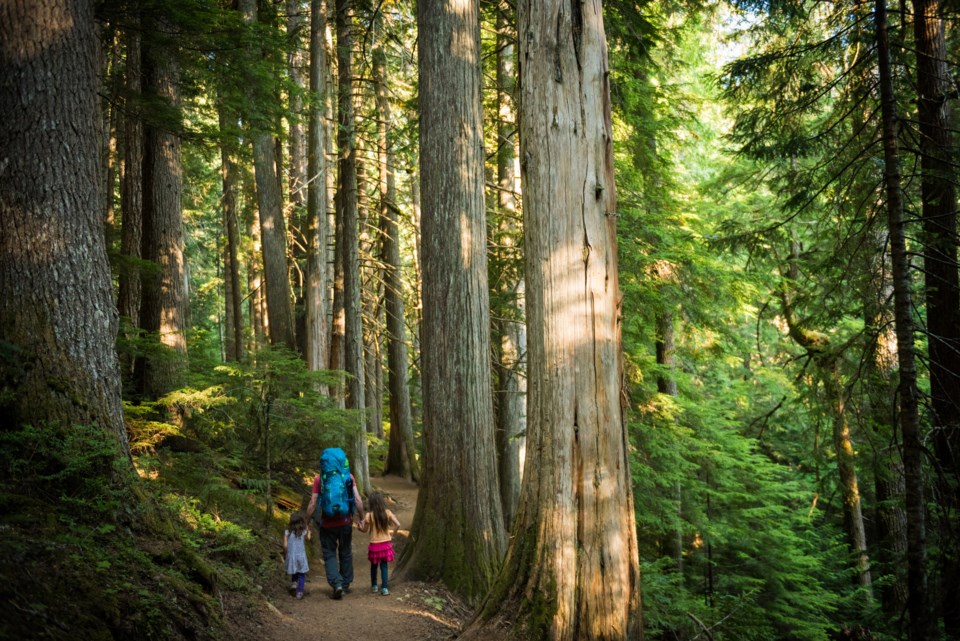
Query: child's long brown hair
[378,508]
[298,523]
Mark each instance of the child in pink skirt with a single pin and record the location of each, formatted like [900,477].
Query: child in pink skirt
[378,520]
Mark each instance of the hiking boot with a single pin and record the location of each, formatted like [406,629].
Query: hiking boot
[338,592]
[375,589]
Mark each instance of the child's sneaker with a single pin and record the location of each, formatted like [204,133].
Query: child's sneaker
[299,595]
[375,589]
[384,591]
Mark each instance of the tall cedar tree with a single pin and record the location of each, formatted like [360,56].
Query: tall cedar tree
[458,533]
[572,570]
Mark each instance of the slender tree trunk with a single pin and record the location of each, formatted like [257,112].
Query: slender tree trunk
[231,267]
[824,355]
[349,250]
[401,456]
[111,119]
[317,339]
[131,186]
[849,483]
[372,310]
[164,298]
[273,234]
[667,384]
[339,322]
[509,327]
[297,180]
[921,626]
[57,314]
[299,222]
[936,90]
[881,408]
[458,533]
[576,506]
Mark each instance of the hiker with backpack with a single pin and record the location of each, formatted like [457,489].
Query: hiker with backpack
[333,502]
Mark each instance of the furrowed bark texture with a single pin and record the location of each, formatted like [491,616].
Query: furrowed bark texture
[572,571]
[58,320]
[458,533]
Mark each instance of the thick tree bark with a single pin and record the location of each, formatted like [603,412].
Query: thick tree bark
[317,341]
[458,533]
[273,234]
[572,571]
[401,456]
[921,626]
[349,249]
[510,399]
[58,320]
[942,286]
[164,295]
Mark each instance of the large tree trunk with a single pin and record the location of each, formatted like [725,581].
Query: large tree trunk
[401,456]
[509,326]
[572,571]
[317,341]
[164,295]
[58,320]
[458,533]
[273,234]
[936,90]
[349,249]
[921,626]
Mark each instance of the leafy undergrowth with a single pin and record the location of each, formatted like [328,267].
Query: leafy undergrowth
[89,550]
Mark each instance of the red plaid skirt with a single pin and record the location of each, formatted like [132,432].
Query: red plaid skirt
[377,552]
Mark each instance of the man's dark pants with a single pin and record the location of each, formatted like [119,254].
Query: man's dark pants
[337,555]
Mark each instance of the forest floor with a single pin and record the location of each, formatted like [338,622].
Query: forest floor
[412,611]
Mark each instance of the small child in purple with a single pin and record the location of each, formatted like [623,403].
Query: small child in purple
[295,549]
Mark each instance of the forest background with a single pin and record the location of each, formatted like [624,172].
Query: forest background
[274,200]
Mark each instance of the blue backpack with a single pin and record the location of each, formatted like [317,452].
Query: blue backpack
[336,485]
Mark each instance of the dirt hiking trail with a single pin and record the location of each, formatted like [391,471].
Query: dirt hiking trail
[412,611]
